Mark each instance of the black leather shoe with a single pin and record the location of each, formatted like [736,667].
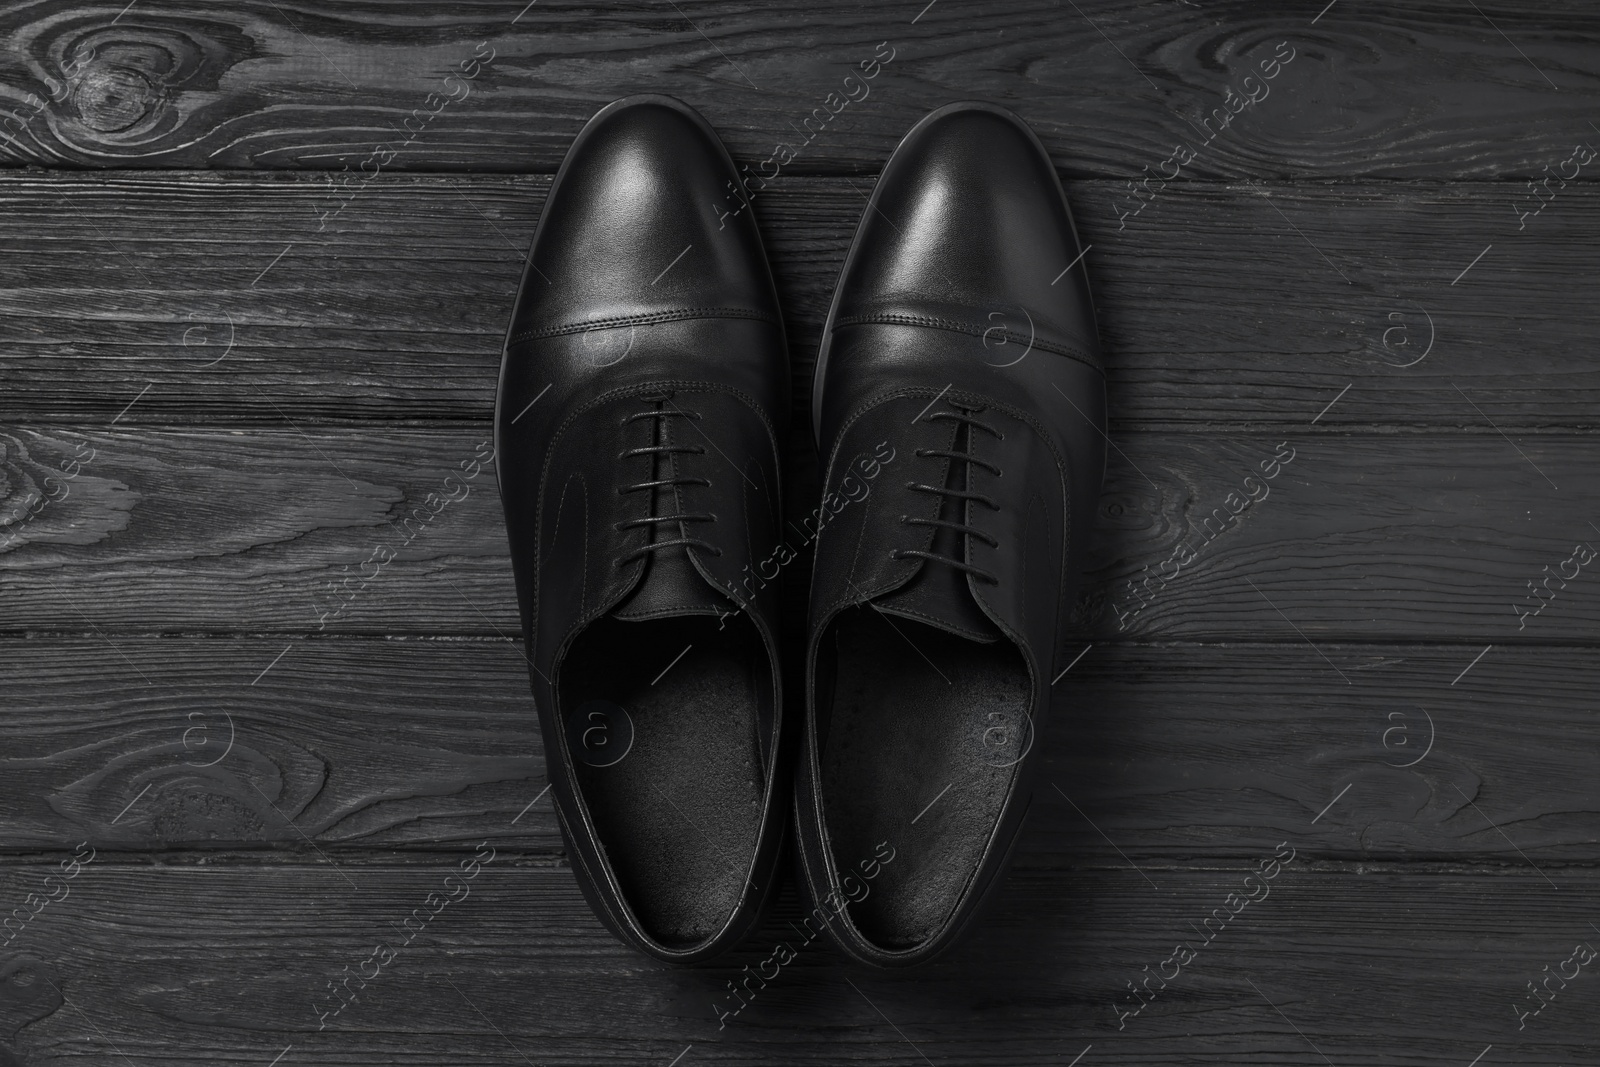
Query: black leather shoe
[642,398]
[959,411]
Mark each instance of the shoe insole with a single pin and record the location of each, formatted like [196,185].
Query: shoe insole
[920,751]
[678,813]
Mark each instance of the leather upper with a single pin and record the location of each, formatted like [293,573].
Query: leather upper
[968,233]
[646,319]
[957,328]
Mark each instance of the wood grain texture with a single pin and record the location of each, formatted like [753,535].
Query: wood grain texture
[151,965]
[1422,88]
[1221,306]
[1160,753]
[239,353]
[251,743]
[1357,537]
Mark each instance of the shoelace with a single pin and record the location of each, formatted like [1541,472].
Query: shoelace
[963,417]
[660,414]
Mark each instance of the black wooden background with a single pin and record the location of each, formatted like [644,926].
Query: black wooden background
[239,347]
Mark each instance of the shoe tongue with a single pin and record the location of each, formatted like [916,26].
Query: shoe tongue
[939,594]
[670,586]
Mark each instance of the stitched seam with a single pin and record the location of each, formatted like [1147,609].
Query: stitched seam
[672,465]
[583,590]
[855,558]
[554,534]
[861,532]
[944,479]
[638,389]
[955,326]
[641,319]
[1016,413]
[749,524]
[941,623]
[969,506]
[1044,515]
[608,880]
[1064,612]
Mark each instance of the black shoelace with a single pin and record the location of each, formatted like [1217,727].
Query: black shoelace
[963,417]
[660,453]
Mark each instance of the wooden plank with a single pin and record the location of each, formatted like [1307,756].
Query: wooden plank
[1162,754]
[1454,538]
[147,964]
[1419,88]
[1221,305]
[252,743]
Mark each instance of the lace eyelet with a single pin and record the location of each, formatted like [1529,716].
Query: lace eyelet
[905,518]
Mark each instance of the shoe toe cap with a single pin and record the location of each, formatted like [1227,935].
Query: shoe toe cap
[970,222]
[641,220]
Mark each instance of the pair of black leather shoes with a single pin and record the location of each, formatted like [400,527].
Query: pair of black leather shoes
[959,414]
